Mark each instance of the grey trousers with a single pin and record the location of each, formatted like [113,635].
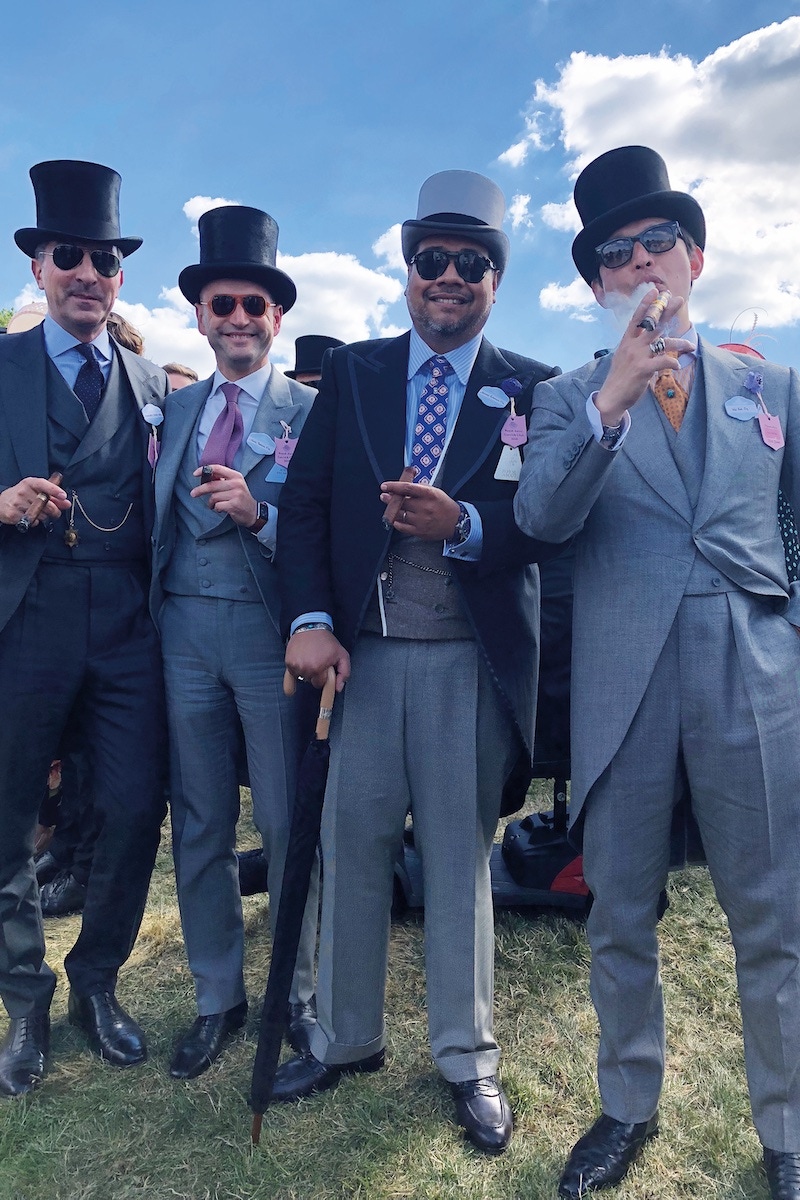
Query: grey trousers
[418,726]
[723,704]
[223,663]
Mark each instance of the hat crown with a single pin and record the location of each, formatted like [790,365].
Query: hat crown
[618,177]
[234,233]
[78,200]
[462,194]
[309,350]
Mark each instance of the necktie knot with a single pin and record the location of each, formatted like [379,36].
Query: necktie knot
[227,431]
[231,392]
[430,428]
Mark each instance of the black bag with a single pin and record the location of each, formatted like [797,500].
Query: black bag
[538,855]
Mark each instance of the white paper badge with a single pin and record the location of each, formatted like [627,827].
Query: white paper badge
[743,408]
[276,474]
[261,443]
[509,464]
[494,397]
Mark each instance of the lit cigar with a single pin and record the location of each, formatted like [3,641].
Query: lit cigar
[396,502]
[37,507]
[654,312]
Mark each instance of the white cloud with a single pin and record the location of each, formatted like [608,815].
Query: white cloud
[389,247]
[518,211]
[563,217]
[725,126]
[532,139]
[197,205]
[30,294]
[575,299]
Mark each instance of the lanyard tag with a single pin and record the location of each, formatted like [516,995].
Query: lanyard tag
[514,432]
[771,431]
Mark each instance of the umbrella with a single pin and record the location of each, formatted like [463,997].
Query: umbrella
[303,840]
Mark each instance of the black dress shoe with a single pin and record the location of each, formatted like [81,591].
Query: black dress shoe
[783,1173]
[202,1044]
[484,1113]
[306,1075]
[252,872]
[62,896]
[46,868]
[301,1020]
[602,1156]
[23,1054]
[112,1034]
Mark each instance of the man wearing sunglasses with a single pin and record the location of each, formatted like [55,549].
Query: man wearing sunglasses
[432,589]
[685,654]
[215,599]
[77,644]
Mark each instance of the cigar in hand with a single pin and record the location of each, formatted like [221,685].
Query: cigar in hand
[37,507]
[396,502]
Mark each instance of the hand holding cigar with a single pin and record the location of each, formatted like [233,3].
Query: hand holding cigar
[396,502]
[37,507]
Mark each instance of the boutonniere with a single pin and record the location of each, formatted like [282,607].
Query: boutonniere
[498,397]
[153,416]
[769,424]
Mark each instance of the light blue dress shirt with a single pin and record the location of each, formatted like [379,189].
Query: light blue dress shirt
[61,347]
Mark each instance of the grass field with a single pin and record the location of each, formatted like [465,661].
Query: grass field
[93,1133]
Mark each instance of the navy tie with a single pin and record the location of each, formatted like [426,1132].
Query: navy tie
[89,384]
[430,428]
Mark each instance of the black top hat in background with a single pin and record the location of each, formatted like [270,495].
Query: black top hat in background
[308,352]
[460,202]
[624,185]
[75,200]
[237,242]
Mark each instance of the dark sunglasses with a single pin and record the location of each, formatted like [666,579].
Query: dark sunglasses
[223,306]
[67,257]
[658,239]
[471,265]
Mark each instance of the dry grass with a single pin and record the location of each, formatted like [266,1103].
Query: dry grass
[93,1133]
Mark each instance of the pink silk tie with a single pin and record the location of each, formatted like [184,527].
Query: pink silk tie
[227,431]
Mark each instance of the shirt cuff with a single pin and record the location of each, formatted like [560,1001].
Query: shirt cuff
[596,422]
[268,534]
[310,618]
[471,549]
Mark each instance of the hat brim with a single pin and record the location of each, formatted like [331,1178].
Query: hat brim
[669,206]
[495,241]
[193,279]
[29,240]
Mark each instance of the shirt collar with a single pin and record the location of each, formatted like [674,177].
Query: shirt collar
[462,359]
[57,341]
[254,384]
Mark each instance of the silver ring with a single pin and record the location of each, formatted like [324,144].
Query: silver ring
[404,515]
[658,346]
[300,678]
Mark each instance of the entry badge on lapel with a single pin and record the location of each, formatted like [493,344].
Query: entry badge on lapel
[285,446]
[513,435]
[769,423]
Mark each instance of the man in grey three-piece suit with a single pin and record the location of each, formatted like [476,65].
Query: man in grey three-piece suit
[214,599]
[76,641]
[665,460]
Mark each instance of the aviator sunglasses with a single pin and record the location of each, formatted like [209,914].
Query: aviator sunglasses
[658,239]
[471,265]
[223,306]
[67,257]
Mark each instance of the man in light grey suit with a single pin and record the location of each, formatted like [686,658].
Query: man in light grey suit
[686,655]
[214,599]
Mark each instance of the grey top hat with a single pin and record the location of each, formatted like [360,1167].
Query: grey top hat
[460,202]
[237,242]
[75,200]
[623,185]
[308,352]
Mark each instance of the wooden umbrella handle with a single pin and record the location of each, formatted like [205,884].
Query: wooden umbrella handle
[325,700]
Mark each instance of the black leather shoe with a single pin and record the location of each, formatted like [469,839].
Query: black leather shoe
[484,1113]
[301,1020]
[252,872]
[202,1044]
[602,1156]
[46,868]
[306,1075]
[63,895]
[783,1173]
[23,1054]
[112,1034]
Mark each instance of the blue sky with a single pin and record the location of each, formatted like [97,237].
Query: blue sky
[329,116]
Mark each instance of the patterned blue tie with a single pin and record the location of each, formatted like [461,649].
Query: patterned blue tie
[431,427]
[89,384]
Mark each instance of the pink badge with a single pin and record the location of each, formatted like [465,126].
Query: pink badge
[514,432]
[284,449]
[771,431]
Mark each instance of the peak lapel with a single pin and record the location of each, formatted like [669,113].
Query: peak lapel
[478,427]
[727,440]
[23,399]
[180,413]
[378,383]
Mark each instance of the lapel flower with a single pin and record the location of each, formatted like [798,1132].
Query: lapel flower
[754,382]
[512,387]
[153,416]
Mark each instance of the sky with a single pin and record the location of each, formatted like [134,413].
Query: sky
[330,116]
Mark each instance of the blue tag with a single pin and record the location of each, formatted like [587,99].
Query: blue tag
[493,397]
[743,408]
[277,474]
[261,443]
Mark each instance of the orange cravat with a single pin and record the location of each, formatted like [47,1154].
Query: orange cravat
[672,397]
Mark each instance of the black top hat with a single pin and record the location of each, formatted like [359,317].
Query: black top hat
[624,185]
[76,200]
[460,202]
[308,352]
[237,242]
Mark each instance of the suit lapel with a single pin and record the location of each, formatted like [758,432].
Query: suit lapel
[477,430]
[276,405]
[727,440]
[378,383]
[23,398]
[181,414]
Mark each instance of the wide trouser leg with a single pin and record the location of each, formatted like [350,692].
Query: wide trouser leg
[406,735]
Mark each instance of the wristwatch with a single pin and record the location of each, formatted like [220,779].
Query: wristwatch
[611,435]
[262,516]
[463,526]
